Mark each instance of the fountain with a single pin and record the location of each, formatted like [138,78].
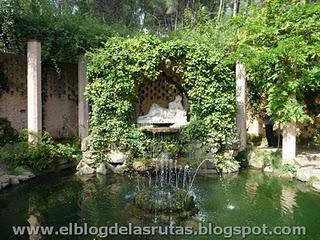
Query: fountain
[164,193]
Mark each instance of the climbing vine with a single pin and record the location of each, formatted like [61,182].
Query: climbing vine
[116,70]
[280,47]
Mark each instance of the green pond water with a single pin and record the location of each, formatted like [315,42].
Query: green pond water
[247,199]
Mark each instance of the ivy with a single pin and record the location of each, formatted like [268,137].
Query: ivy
[116,70]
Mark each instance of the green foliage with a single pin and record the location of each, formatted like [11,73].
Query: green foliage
[38,156]
[196,129]
[116,71]
[64,35]
[173,148]
[169,144]
[227,165]
[310,141]
[7,133]
[276,160]
[288,168]
[255,140]
[280,44]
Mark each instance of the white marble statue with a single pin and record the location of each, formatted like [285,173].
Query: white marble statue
[175,114]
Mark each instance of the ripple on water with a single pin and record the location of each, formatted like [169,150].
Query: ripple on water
[288,200]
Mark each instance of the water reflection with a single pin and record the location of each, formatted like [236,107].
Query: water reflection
[247,199]
[253,181]
[288,200]
[34,219]
[251,188]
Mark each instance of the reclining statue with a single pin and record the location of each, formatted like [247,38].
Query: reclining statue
[174,114]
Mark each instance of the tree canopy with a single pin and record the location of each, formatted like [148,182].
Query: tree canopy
[64,34]
[280,44]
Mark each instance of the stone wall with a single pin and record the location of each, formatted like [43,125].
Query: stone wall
[59,95]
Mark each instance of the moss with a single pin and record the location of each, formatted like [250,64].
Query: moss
[255,140]
[180,202]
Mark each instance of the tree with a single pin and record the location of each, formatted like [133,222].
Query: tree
[282,50]
[64,33]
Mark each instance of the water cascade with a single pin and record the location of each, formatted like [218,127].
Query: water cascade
[165,193]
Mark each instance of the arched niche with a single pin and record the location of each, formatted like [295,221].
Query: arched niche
[162,91]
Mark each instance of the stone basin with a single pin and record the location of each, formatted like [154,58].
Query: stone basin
[154,129]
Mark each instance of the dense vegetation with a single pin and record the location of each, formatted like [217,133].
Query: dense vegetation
[277,40]
[64,35]
[40,156]
[116,71]
[281,46]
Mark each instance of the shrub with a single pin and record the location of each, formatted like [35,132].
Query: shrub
[40,155]
[253,139]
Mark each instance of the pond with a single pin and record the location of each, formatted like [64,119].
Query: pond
[247,199]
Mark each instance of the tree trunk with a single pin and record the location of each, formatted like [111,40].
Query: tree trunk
[241,91]
[236,7]
[220,11]
[241,105]
[248,8]
[176,21]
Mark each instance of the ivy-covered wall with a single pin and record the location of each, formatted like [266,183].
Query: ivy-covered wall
[121,65]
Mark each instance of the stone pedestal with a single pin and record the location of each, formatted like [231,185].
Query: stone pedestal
[241,104]
[289,143]
[83,107]
[34,89]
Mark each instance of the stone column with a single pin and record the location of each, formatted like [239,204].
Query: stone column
[34,89]
[83,107]
[289,143]
[241,104]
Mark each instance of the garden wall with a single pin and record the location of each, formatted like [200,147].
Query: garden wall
[59,95]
